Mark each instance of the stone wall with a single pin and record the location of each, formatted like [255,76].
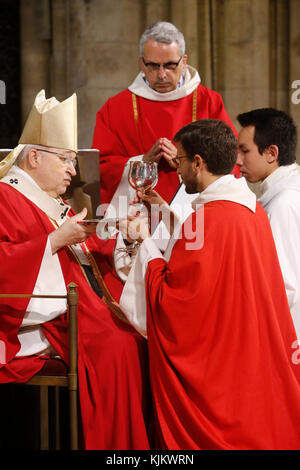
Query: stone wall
[10,101]
[248,50]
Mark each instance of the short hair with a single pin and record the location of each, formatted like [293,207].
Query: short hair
[23,154]
[164,32]
[272,127]
[213,140]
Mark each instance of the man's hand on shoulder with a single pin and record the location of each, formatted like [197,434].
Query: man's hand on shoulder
[163,148]
[71,232]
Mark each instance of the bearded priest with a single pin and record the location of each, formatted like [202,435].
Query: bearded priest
[223,350]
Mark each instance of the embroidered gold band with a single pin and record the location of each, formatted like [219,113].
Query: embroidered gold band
[136,115]
[107,297]
[194,116]
[135,110]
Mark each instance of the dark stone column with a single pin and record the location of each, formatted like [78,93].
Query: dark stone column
[10,100]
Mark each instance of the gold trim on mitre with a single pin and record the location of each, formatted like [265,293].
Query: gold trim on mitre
[9,160]
[50,124]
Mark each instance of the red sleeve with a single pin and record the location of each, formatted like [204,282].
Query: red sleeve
[22,247]
[113,155]
[23,240]
[217,110]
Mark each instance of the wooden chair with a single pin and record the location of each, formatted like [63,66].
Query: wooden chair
[60,376]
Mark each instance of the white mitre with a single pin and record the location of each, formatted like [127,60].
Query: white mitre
[50,124]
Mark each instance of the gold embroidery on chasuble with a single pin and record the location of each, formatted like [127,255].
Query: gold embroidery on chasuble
[107,297]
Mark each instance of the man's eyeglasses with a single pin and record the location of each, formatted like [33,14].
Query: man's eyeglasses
[176,160]
[154,67]
[66,160]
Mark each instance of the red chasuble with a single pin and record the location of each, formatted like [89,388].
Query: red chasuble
[121,133]
[112,357]
[223,363]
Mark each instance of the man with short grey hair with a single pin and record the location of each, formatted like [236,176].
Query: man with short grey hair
[140,122]
[163,31]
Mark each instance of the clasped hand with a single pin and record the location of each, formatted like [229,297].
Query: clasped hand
[163,148]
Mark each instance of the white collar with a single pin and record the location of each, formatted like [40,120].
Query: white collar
[25,175]
[278,174]
[284,177]
[180,83]
[22,182]
[191,81]
[227,188]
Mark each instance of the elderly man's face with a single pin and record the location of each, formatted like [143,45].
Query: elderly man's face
[55,169]
[162,65]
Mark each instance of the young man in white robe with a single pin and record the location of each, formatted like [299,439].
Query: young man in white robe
[267,153]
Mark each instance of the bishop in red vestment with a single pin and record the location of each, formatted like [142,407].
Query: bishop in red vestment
[142,120]
[43,247]
[223,352]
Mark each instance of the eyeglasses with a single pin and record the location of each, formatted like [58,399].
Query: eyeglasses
[154,67]
[176,159]
[66,160]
